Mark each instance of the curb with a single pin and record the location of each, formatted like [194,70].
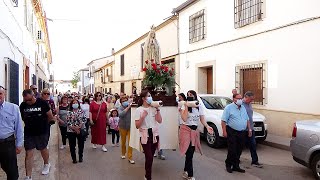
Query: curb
[276,145]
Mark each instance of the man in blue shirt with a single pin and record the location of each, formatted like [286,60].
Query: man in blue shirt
[11,136]
[235,122]
[251,141]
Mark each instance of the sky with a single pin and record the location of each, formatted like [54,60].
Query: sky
[84,30]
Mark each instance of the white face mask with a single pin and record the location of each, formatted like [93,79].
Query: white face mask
[177,99]
[239,102]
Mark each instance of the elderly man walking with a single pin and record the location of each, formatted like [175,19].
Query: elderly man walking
[235,122]
[251,141]
[11,136]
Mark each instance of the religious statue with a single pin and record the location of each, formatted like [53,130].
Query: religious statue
[151,48]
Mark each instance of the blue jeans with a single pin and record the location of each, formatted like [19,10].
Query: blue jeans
[252,145]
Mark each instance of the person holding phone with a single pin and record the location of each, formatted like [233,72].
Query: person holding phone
[146,120]
[124,127]
[189,136]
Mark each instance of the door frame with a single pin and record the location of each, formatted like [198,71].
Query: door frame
[205,65]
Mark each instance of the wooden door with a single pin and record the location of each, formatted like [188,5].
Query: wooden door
[209,80]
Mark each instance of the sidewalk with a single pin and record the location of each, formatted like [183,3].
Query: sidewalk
[277,142]
[38,162]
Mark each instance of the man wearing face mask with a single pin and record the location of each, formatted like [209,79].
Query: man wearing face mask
[36,115]
[251,141]
[235,122]
[124,127]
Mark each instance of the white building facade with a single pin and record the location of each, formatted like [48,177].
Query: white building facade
[84,82]
[25,50]
[268,47]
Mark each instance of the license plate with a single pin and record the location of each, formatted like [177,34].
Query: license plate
[257,128]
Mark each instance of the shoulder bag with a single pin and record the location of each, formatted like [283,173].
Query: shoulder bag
[92,123]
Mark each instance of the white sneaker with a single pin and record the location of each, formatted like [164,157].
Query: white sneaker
[191,178]
[104,149]
[94,146]
[62,147]
[27,178]
[113,145]
[131,161]
[123,157]
[185,175]
[117,144]
[46,169]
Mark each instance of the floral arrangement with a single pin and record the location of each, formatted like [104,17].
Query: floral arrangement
[158,75]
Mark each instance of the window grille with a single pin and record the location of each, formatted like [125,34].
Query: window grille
[197,27]
[247,12]
[252,78]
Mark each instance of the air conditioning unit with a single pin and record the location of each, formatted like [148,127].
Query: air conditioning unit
[39,36]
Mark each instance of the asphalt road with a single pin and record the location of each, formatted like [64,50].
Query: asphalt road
[278,164]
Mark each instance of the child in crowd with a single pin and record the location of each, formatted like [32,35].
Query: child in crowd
[114,126]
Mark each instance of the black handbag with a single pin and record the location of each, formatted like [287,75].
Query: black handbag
[83,132]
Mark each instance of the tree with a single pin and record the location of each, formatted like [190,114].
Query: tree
[75,79]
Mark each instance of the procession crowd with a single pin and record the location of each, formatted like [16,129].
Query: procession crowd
[100,114]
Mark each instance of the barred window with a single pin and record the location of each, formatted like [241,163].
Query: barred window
[197,27]
[252,78]
[247,12]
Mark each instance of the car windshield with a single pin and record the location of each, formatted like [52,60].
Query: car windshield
[214,102]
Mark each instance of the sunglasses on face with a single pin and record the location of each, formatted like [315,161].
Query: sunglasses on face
[34,88]
[46,93]
[1,87]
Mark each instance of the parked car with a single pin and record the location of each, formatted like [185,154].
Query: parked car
[305,145]
[213,106]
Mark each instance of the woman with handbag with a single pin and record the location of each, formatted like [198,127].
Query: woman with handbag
[76,120]
[98,121]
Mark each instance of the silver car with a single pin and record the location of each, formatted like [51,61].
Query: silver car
[305,145]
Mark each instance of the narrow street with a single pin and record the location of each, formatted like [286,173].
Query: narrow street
[278,164]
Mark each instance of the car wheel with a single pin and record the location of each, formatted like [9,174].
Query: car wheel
[315,166]
[213,140]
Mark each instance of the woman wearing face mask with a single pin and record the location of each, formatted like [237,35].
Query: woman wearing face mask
[124,127]
[146,120]
[181,97]
[62,112]
[189,136]
[85,106]
[76,120]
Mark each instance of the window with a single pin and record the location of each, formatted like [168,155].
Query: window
[197,27]
[122,65]
[142,52]
[101,76]
[214,102]
[252,78]
[122,87]
[247,12]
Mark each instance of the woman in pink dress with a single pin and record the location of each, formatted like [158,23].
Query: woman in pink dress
[98,120]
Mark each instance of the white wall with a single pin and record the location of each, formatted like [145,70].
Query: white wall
[220,19]
[292,58]
[167,39]
[16,41]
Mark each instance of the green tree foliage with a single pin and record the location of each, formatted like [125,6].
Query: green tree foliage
[75,79]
